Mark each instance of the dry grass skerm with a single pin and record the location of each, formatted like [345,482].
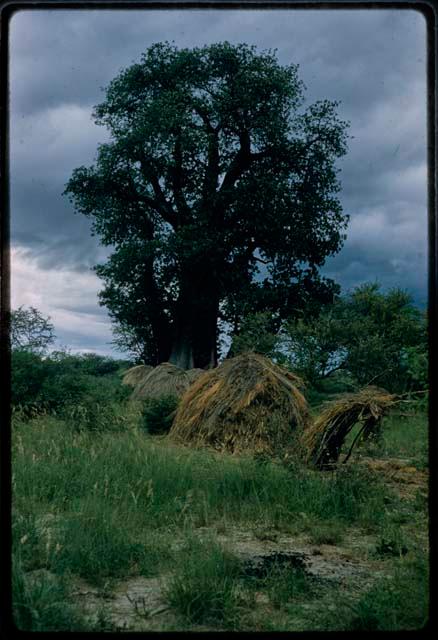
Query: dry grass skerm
[247,404]
[193,374]
[164,380]
[323,441]
[135,375]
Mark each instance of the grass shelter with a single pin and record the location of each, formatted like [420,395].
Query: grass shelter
[323,440]
[164,380]
[247,404]
[135,375]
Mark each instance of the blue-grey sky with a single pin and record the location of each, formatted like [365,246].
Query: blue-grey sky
[373,61]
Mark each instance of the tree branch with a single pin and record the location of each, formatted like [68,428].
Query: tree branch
[261,260]
[240,163]
[212,170]
[176,177]
[204,117]
[163,206]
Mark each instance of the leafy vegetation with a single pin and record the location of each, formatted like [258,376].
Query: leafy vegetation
[40,603]
[117,503]
[364,337]
[158,413]
[212,169]
[398,602]
[96,497]
[78,386]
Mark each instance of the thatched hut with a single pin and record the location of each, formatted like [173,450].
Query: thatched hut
[322,442]
[193,374]
[135,375]
[164,380]
[247,404]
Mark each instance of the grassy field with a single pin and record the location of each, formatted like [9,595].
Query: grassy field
[119,529]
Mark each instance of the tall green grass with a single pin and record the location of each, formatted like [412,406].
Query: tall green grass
[204,585]
[40,603]
[399,602]
[108,504]
[118,499]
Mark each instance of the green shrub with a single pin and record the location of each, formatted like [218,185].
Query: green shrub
[54,382]
[28,373]
[392,542]
[158,414]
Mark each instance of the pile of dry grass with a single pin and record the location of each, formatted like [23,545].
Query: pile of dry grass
[134,375]
[164,380]
[247,404]
[323,441]
[194,374]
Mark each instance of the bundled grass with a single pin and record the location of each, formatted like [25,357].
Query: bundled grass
[247,404]
[164,380]
[323,441]
[135,375]
[193,374]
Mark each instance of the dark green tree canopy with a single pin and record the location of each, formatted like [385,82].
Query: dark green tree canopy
[216,192]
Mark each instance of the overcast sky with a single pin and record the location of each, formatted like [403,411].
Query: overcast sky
[373,61]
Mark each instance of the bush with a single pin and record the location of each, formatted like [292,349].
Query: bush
[60,381]
[98,406]
[158,414]
[28,373]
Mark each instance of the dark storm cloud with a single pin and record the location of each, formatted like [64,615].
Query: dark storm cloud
[371,61]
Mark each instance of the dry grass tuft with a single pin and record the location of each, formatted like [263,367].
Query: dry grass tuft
[322,441]
[134,375]
[247,404]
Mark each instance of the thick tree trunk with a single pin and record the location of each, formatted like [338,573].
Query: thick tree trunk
[195,325]
[205,335]
[182,350]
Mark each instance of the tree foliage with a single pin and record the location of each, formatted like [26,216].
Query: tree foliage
[257,333]
[30,330]
[377,337]
[217,192]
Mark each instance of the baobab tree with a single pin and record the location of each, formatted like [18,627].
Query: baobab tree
[217,193]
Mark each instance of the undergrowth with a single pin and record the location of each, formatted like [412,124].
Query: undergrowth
[112,503]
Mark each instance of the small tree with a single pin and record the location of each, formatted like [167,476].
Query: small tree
[257,333]
[378,338]
[30,330]
[315,346]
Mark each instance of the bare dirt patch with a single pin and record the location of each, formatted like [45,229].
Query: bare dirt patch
[136,604]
